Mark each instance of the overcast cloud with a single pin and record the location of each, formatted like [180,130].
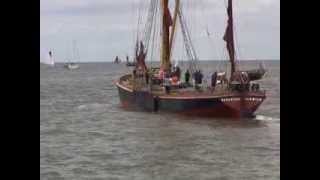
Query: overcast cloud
[106,28]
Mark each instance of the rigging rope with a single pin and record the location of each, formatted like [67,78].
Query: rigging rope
[154,37]
[150,23]
[191,53]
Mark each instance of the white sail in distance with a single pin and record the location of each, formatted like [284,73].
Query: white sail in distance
[46,57]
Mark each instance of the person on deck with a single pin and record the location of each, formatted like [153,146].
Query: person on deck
[147,77]
[117,59]
[178,72]
[170,68]
[187,77]
[200,77]
[134,72]
[195,76]
[166,83]
[214,80]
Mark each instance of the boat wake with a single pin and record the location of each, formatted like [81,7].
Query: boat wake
[267,118]
[93,107]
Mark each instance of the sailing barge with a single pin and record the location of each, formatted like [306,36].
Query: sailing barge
[144,89]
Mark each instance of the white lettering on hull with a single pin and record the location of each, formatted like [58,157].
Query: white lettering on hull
[238,99]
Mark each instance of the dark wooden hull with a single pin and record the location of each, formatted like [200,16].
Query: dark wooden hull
[136,100]
[229,105]
[209,107]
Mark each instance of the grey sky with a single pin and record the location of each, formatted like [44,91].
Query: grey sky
[106,28]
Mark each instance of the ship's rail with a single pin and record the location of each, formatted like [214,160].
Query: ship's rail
[191,92]
[220,89]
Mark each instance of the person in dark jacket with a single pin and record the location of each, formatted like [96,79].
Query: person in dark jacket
[147,77]
[187,76]
[200,77]
[178,72]
[134,72]
[214,80]
[166,83]
[195,77]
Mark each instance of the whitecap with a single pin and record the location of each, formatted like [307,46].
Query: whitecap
[266,118]
[93,106]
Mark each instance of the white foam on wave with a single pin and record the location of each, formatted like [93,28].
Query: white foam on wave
[266,118]
[93,106]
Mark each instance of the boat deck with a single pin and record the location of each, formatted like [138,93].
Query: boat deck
[188,92]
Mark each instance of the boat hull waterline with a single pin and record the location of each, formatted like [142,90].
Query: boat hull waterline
[238,105]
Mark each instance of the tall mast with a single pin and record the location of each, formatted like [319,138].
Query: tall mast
[165,47]
[176,11]
[228,37]
[73,51]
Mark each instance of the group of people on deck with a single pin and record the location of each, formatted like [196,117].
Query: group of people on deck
[172,79]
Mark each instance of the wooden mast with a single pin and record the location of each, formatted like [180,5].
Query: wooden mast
[176,11]
[165,46]
[228,37]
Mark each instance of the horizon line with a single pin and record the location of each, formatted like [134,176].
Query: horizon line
[172,60]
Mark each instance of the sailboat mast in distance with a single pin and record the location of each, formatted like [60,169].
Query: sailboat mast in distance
[51,61]
[74,49]
[228,37]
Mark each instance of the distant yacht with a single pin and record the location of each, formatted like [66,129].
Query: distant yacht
[72,65]
[130,63]
[117,60]
[48,59]
[257,74]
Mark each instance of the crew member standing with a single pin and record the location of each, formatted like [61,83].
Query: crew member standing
[200,77]
[178,72]
[147,77]
[214,80]
[166,83]
[187,77]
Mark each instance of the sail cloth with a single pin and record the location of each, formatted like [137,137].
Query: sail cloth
[228,37]
[169,17]
[141,55]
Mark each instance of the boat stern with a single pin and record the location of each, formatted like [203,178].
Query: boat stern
[244,105]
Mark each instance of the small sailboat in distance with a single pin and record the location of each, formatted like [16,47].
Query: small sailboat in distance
[130,63]
[51,61]
[72,65]
[257,74]
[47,58]
[117,60]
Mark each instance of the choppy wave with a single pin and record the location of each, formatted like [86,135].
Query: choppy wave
[85,135]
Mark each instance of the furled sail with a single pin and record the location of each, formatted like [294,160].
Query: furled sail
[165,47]
[228,37]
